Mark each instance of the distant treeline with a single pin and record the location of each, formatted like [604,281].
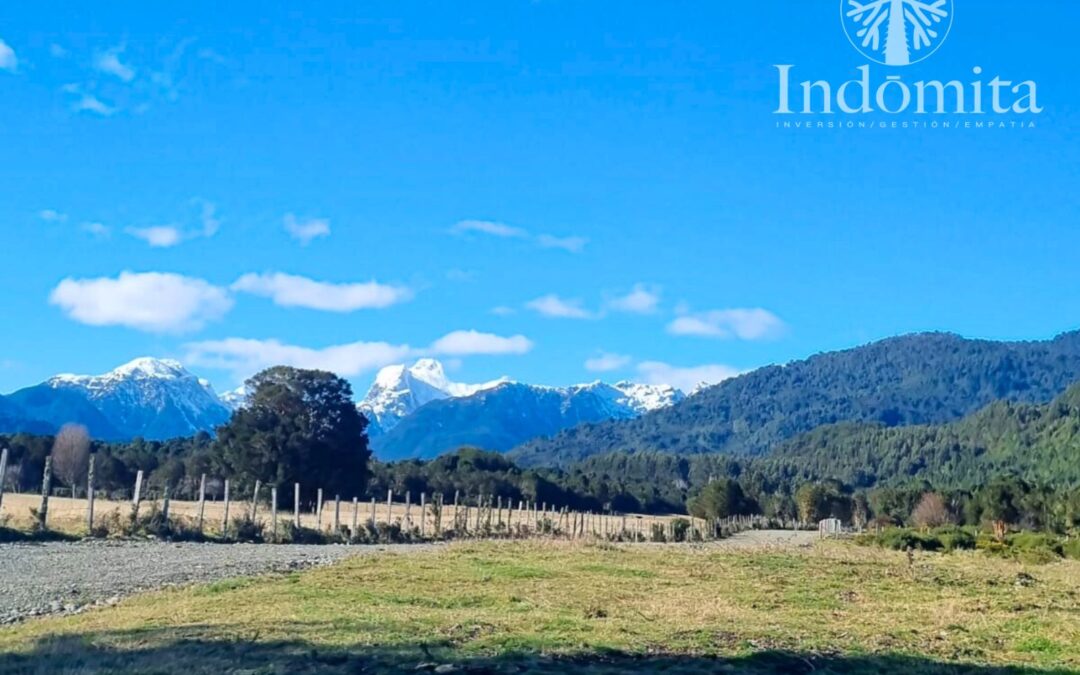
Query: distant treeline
[705,485]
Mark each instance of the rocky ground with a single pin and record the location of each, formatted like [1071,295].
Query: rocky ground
[59,578]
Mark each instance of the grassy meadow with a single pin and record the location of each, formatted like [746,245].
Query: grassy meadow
[561,607]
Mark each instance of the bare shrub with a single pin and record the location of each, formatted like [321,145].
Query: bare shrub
[71,455]
[931,511]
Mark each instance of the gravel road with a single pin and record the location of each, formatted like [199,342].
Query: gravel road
[64,578]
[758,539]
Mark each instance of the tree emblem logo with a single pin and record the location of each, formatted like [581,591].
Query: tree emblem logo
[897,32]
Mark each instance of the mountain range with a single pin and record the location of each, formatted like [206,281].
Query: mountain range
[926,378]
[159,399]
[497,415]
[416,411]
[151,398]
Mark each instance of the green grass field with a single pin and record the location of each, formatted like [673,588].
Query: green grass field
[549,607]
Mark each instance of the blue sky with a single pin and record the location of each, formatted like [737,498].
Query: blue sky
[555,191]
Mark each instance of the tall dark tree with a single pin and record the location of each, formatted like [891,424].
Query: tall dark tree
[299,426]
[720,499]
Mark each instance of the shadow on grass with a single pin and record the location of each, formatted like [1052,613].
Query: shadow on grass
[182,651]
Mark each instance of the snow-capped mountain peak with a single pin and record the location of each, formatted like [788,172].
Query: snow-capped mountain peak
[140,368]
[154,398]
[399,390]
[648,397]
[234,399]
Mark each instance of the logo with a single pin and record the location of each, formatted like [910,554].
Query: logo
[897,32]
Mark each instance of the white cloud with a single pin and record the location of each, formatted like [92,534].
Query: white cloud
[99,230]
[245,357]
[88,103]
[288,290]
[496,229]
[109,63]
[641,300]
[51,216]
[553,306]
[571,244]
[8,61]
[307,230]
[471,342]
[686,379]
[503,310]
[208,217]
[744,324]
[488,227]
[605,362]
[158,236]
[154,301]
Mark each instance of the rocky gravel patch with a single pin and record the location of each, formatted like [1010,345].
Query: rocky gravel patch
[66,578]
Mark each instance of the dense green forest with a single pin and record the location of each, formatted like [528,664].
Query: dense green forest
[914,379]
[1039,443]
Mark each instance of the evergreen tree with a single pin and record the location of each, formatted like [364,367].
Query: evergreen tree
[299,426]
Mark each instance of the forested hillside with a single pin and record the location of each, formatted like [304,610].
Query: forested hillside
[1039,443]
[914,379]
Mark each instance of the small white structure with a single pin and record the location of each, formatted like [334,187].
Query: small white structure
[830,527]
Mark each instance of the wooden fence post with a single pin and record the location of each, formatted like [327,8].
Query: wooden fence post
[165,507]
[318,510]
[355,516]
[408,511]
[296,505]
[438,517]
[46,486]
[137,497]
[423,513]
[89,495]
[373,521]
[337,514]
[202,501]
[255,500]
[389,507]
[273,513]
[225,514]
[3,473]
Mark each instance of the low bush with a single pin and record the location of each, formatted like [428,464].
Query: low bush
[680,527]
[901,539]
[954,538]
[289,533]
[246,530]
[1033,547]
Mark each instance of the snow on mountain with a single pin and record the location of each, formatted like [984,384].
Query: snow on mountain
[234,399]
[509,414]
[630,399]
[152,398]
[399,390]
[416,411]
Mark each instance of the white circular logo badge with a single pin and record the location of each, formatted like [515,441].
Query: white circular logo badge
[897,32]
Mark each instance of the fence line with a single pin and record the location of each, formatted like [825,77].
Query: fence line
[426,517]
